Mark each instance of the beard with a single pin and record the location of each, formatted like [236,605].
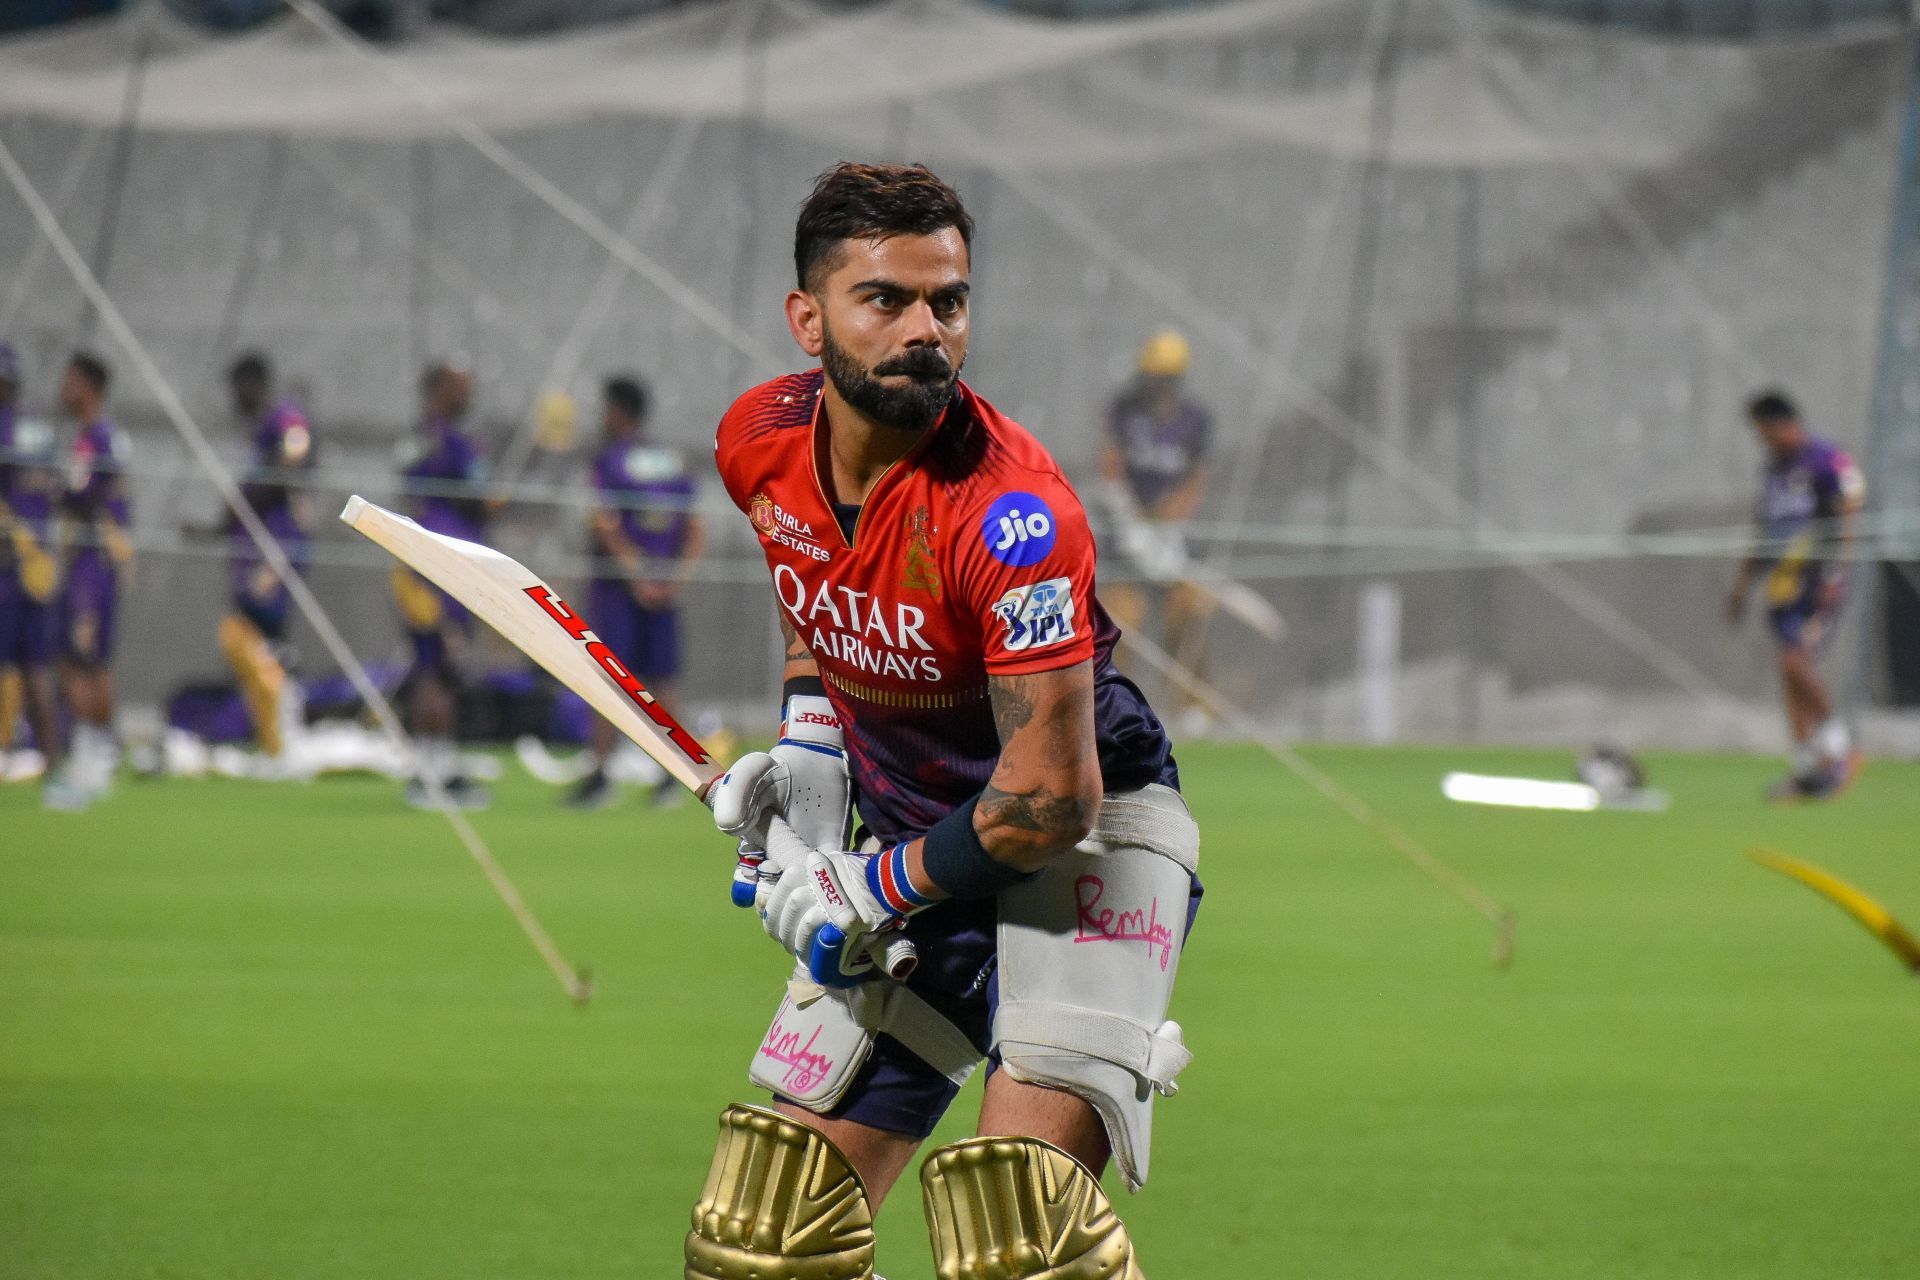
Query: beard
[912,408]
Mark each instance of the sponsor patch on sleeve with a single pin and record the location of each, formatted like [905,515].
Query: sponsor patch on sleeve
[1018,529]
[1038,615]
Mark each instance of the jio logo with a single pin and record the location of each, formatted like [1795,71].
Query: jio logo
[1018,529]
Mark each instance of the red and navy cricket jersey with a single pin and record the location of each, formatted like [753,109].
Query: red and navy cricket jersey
[970,557]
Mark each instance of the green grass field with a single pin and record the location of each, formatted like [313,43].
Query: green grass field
[252,1031]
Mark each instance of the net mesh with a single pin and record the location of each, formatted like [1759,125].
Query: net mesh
[1474,297]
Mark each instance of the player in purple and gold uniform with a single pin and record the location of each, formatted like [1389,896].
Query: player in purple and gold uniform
[444,477]
[252,635]
[1153,469]
[1810,494]
[646,538]
[99,555]
[28,574]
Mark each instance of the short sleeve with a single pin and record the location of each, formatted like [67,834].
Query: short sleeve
[1837,482]
[725,451]
[473,464]
[1024,571]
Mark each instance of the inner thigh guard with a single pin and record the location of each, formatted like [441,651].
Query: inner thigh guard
[781,1203]
[1088,952]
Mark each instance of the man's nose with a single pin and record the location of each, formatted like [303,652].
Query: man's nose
[922,327]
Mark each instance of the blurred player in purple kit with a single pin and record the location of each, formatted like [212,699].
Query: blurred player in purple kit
[1153,469]
[99,556]
[1810,493]
[253,636]
[28,575]
[646,540]
[445,477]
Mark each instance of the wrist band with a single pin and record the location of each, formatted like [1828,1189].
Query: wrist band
[801,685]
[956,860]
[887,879]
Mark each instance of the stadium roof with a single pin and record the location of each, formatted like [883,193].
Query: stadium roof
[1037,92]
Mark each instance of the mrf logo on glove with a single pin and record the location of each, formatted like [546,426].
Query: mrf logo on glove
[829,891]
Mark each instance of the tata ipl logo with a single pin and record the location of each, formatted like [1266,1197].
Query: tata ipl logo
[1018,529]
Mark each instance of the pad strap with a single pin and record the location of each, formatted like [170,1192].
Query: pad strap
[1153,818]
[928,1035]
[1156,1055]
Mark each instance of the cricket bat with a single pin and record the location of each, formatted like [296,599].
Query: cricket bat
[513,600]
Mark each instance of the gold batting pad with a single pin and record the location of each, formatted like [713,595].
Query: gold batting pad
[781,1203]
[1021,1209]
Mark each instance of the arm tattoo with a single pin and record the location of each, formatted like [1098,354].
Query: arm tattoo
[1012,707]
[1040,811]
[797,650]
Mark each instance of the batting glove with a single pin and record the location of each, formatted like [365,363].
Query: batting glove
[803,779]
[834,912]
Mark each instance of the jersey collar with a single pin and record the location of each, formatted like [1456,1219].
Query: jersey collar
[958,410]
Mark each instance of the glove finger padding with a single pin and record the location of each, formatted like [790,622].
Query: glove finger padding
[755,785]
[790,910]
[831,892]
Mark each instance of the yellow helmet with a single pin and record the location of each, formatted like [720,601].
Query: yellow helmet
[554,417]
[1165,355]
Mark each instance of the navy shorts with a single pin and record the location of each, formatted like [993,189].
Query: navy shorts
[26,627]
[89,594]
[957,975]
[647,640]
[1803,622]
[433,650]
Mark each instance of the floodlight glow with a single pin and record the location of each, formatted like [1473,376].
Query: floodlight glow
[1519,793]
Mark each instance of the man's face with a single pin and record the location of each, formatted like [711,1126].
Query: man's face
[617,422]
[76,393]
[447,394]
[889,323]
[249,395]
[1781,436]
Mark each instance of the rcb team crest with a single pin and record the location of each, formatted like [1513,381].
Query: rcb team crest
[920,572]
[760,512]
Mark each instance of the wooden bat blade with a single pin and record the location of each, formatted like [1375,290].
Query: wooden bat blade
[512,599]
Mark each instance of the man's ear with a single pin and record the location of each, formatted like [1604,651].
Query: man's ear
[807,322]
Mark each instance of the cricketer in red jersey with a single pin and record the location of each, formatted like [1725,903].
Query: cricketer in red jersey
[949,678]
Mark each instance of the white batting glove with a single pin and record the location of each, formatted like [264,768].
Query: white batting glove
[833,910]
[803,779]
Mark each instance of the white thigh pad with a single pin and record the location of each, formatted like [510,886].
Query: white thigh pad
[821,1037]
[1088,952]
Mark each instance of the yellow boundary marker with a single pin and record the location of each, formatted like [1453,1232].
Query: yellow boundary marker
[1876,919]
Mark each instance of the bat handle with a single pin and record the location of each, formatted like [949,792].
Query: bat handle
[894,956]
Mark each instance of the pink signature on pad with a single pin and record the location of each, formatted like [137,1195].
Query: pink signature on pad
[1104,924]
[805,1068]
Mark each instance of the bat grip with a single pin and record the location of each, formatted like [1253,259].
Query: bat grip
[893,955]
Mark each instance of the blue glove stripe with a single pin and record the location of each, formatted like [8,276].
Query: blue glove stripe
[888,881]
[810,746]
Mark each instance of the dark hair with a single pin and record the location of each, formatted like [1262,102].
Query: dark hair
[93,369]
[1772,406]
[251,366]
[627,394]
[873,201]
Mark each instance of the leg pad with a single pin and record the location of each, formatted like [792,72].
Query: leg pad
[1021,1209]
[781,1203]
